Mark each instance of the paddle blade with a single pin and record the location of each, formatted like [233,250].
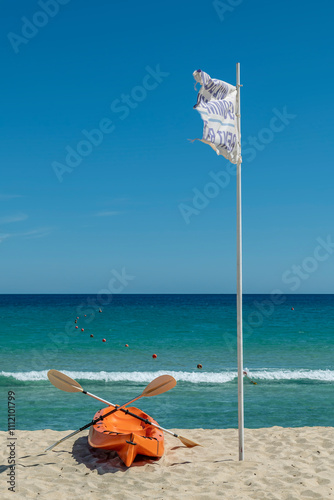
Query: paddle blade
[159,385]
[187,442]
[63,382]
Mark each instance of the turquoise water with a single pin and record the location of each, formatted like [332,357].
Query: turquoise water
[288,352]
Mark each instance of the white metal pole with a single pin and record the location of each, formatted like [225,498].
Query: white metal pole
[239,283]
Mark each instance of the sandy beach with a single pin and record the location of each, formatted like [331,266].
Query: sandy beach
[280,463]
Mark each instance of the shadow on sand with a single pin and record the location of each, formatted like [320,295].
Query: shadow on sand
[103,461]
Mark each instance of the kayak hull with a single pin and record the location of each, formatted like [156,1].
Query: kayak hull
[126,435]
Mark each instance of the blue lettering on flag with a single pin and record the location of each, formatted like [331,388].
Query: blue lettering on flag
[221,134]
[205,127]
[216,103]
[211,135]
[231,110]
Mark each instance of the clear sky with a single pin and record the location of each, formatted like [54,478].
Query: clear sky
[77,207]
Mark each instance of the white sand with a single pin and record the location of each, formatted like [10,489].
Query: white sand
[280,463]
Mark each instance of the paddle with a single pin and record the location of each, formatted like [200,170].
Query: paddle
[65,383]
[157,386]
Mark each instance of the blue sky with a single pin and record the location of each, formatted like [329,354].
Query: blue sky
[118,209]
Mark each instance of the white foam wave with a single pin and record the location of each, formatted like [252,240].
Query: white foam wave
[321,375]
[191,377]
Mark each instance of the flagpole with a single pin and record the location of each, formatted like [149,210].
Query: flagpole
[239,284]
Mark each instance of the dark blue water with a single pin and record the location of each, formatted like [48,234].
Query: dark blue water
[288,351]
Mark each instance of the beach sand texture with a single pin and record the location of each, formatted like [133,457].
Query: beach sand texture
[280,463]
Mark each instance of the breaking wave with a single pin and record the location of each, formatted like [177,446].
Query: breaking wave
[180,376]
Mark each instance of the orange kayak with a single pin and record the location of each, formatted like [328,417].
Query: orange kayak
[127,435]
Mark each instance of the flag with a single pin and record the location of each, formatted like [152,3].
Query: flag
[217,105]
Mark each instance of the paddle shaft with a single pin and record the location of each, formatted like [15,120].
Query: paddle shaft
[93,422]
[130,413]
[116,408]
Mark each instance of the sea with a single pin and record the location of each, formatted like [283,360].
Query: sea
[107,343]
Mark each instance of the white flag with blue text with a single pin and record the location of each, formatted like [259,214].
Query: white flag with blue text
[216,103]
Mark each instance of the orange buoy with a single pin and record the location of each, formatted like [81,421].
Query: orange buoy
[154,356]
[199,366]
[92,335]
[292,308]
[85,315]
[104,340]
[126,345]
[76,327]
[77,317]
[82,329]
